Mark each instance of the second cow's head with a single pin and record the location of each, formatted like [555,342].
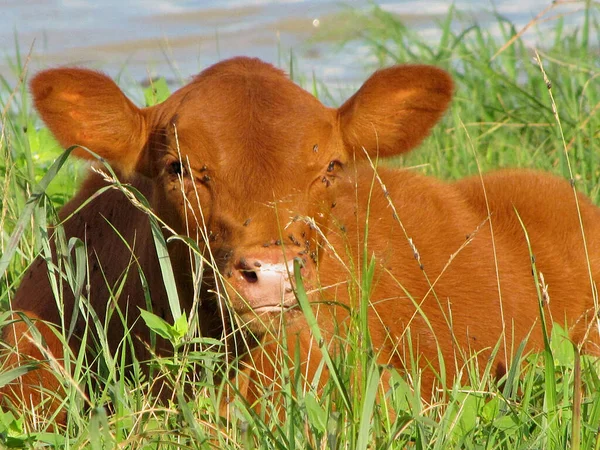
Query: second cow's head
[244,157]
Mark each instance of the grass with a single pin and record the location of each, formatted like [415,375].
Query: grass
[505,114]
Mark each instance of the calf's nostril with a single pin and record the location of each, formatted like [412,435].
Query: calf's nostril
[250,276]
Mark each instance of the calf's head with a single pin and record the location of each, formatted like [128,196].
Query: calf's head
[244,160]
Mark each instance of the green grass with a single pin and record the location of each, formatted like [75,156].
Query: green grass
[502,116]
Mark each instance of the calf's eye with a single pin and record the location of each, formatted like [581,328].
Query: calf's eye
[175,168]
[333,164]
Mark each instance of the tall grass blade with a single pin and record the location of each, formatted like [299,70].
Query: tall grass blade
[166,268]
[35,198]
[369,398]
[316,331]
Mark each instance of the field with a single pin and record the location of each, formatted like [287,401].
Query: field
[514,106]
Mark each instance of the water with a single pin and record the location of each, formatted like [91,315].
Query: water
[178,38]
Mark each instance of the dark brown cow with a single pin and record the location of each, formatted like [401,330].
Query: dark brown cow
[247,161]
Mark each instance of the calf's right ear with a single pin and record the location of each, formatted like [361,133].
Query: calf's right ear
[394,110]
[83,107]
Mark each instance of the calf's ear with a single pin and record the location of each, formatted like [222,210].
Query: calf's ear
[394,110]
[83,107]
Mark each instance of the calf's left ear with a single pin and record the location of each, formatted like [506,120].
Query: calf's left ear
[394,110]
[83,107]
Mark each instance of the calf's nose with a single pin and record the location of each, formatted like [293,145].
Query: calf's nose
[262,279]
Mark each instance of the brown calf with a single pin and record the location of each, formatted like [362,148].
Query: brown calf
[259,172]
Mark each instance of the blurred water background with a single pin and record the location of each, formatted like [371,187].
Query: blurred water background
[178,38]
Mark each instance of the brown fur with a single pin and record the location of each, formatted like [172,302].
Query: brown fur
[265,164]
[467,307]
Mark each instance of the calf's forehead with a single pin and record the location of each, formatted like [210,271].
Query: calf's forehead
[261,116]
[260,136]
[255,108]
[246,97]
